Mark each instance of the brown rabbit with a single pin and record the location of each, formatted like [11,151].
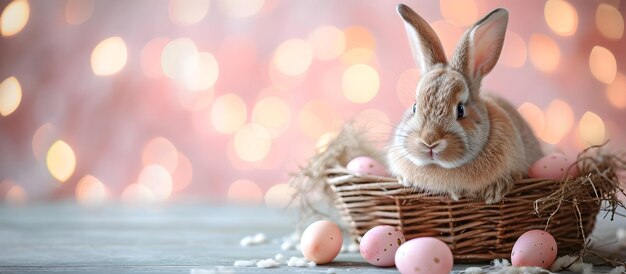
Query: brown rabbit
[457,139]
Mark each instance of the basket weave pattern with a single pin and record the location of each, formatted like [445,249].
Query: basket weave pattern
[475,231]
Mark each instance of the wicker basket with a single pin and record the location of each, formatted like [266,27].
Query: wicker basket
[473,230]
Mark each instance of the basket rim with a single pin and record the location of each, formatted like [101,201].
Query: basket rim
[342,179]
[474,231]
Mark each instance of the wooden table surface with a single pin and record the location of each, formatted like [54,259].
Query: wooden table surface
[173,238]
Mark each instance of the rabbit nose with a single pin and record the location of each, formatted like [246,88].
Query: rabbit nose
[432,145]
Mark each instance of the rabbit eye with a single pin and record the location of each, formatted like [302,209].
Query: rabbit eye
[460,111]
[414,108]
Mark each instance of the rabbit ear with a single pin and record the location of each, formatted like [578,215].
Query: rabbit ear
[425,44]
[480,47]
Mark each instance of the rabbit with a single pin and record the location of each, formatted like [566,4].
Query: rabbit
[456,139]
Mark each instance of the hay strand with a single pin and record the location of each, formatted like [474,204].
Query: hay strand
[311,191]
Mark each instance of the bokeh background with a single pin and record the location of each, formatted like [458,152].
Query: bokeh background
[219,100]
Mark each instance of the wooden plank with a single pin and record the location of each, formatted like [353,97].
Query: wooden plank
[175,238]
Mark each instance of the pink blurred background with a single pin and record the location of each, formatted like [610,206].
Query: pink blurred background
[221,99]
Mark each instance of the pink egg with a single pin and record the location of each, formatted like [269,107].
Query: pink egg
[364,165]
[534,248]
[552,166]
[321,242]
[378,246]
[424,255]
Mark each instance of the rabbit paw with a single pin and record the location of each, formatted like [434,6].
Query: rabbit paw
[494,193]
[403,181]
[454,195]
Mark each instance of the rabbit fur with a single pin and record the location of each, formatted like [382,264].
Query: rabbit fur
[458,140]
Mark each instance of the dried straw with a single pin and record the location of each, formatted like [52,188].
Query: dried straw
[311,191]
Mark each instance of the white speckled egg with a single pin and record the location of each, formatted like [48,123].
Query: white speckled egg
[552,166]
[534,248]
[321,242]
[365,165]
[379,244]
[426,255]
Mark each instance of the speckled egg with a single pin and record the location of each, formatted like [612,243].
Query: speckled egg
[365,165]
[378,246]
[424,255]
[321,242]
[552,166]
[534,248]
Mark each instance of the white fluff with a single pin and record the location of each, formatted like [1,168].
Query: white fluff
[473,270]
[621,236]
[503,266]
[290,242]
[618,270]
[287,245]
[201,271]
[331,271]
[225,270]
[246,241]
[580,267]
[501,263]
[300,262]
[244,263]
[523,270]
[562,262]
[267,263]
[256,239]
[279,257]
[260,238]
[571,263]
[218,270]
